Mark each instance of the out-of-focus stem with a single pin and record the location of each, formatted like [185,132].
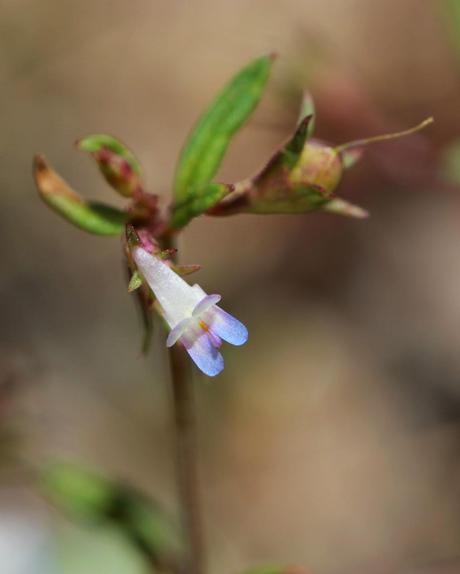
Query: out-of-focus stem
[187,471]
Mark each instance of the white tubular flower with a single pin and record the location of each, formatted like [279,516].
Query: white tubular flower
[194,317]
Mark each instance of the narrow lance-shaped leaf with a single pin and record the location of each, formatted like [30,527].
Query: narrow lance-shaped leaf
[205,147]
[90,216]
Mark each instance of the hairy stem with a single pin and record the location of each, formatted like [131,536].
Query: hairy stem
[186,457]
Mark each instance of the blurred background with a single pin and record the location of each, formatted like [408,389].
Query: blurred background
[332,439]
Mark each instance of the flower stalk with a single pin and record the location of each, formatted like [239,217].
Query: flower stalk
[186,457]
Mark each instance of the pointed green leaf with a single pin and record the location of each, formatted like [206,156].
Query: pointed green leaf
[98,142]
[199,201]
[205,147]
[135,282]
[90,216]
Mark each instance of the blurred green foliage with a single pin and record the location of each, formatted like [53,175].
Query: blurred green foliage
[91,498]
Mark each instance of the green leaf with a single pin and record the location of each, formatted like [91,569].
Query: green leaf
[205,147]
[135,282]
[199,201]
[90,216]
[90,497]
[83,495]
[98,142]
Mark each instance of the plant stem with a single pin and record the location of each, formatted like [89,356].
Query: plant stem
[186,458]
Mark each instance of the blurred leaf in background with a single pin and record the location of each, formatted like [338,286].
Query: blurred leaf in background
[450,165]
[93,499]
[452,10]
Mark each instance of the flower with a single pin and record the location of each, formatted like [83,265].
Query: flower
[193,316]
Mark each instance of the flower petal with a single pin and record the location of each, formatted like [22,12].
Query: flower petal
[176,333]
[206,303]
[176,297]
[226,326]
[205,356]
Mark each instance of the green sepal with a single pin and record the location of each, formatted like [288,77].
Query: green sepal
[204,149]
[290,200]
[91,216]
[307,108]
[144,304]
[351,157]
[132,238]
[98,142]
[340,206]
[292,151]
[135,282]
[199,201]
[186,269]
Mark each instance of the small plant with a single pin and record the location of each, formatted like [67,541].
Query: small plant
[300,177]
